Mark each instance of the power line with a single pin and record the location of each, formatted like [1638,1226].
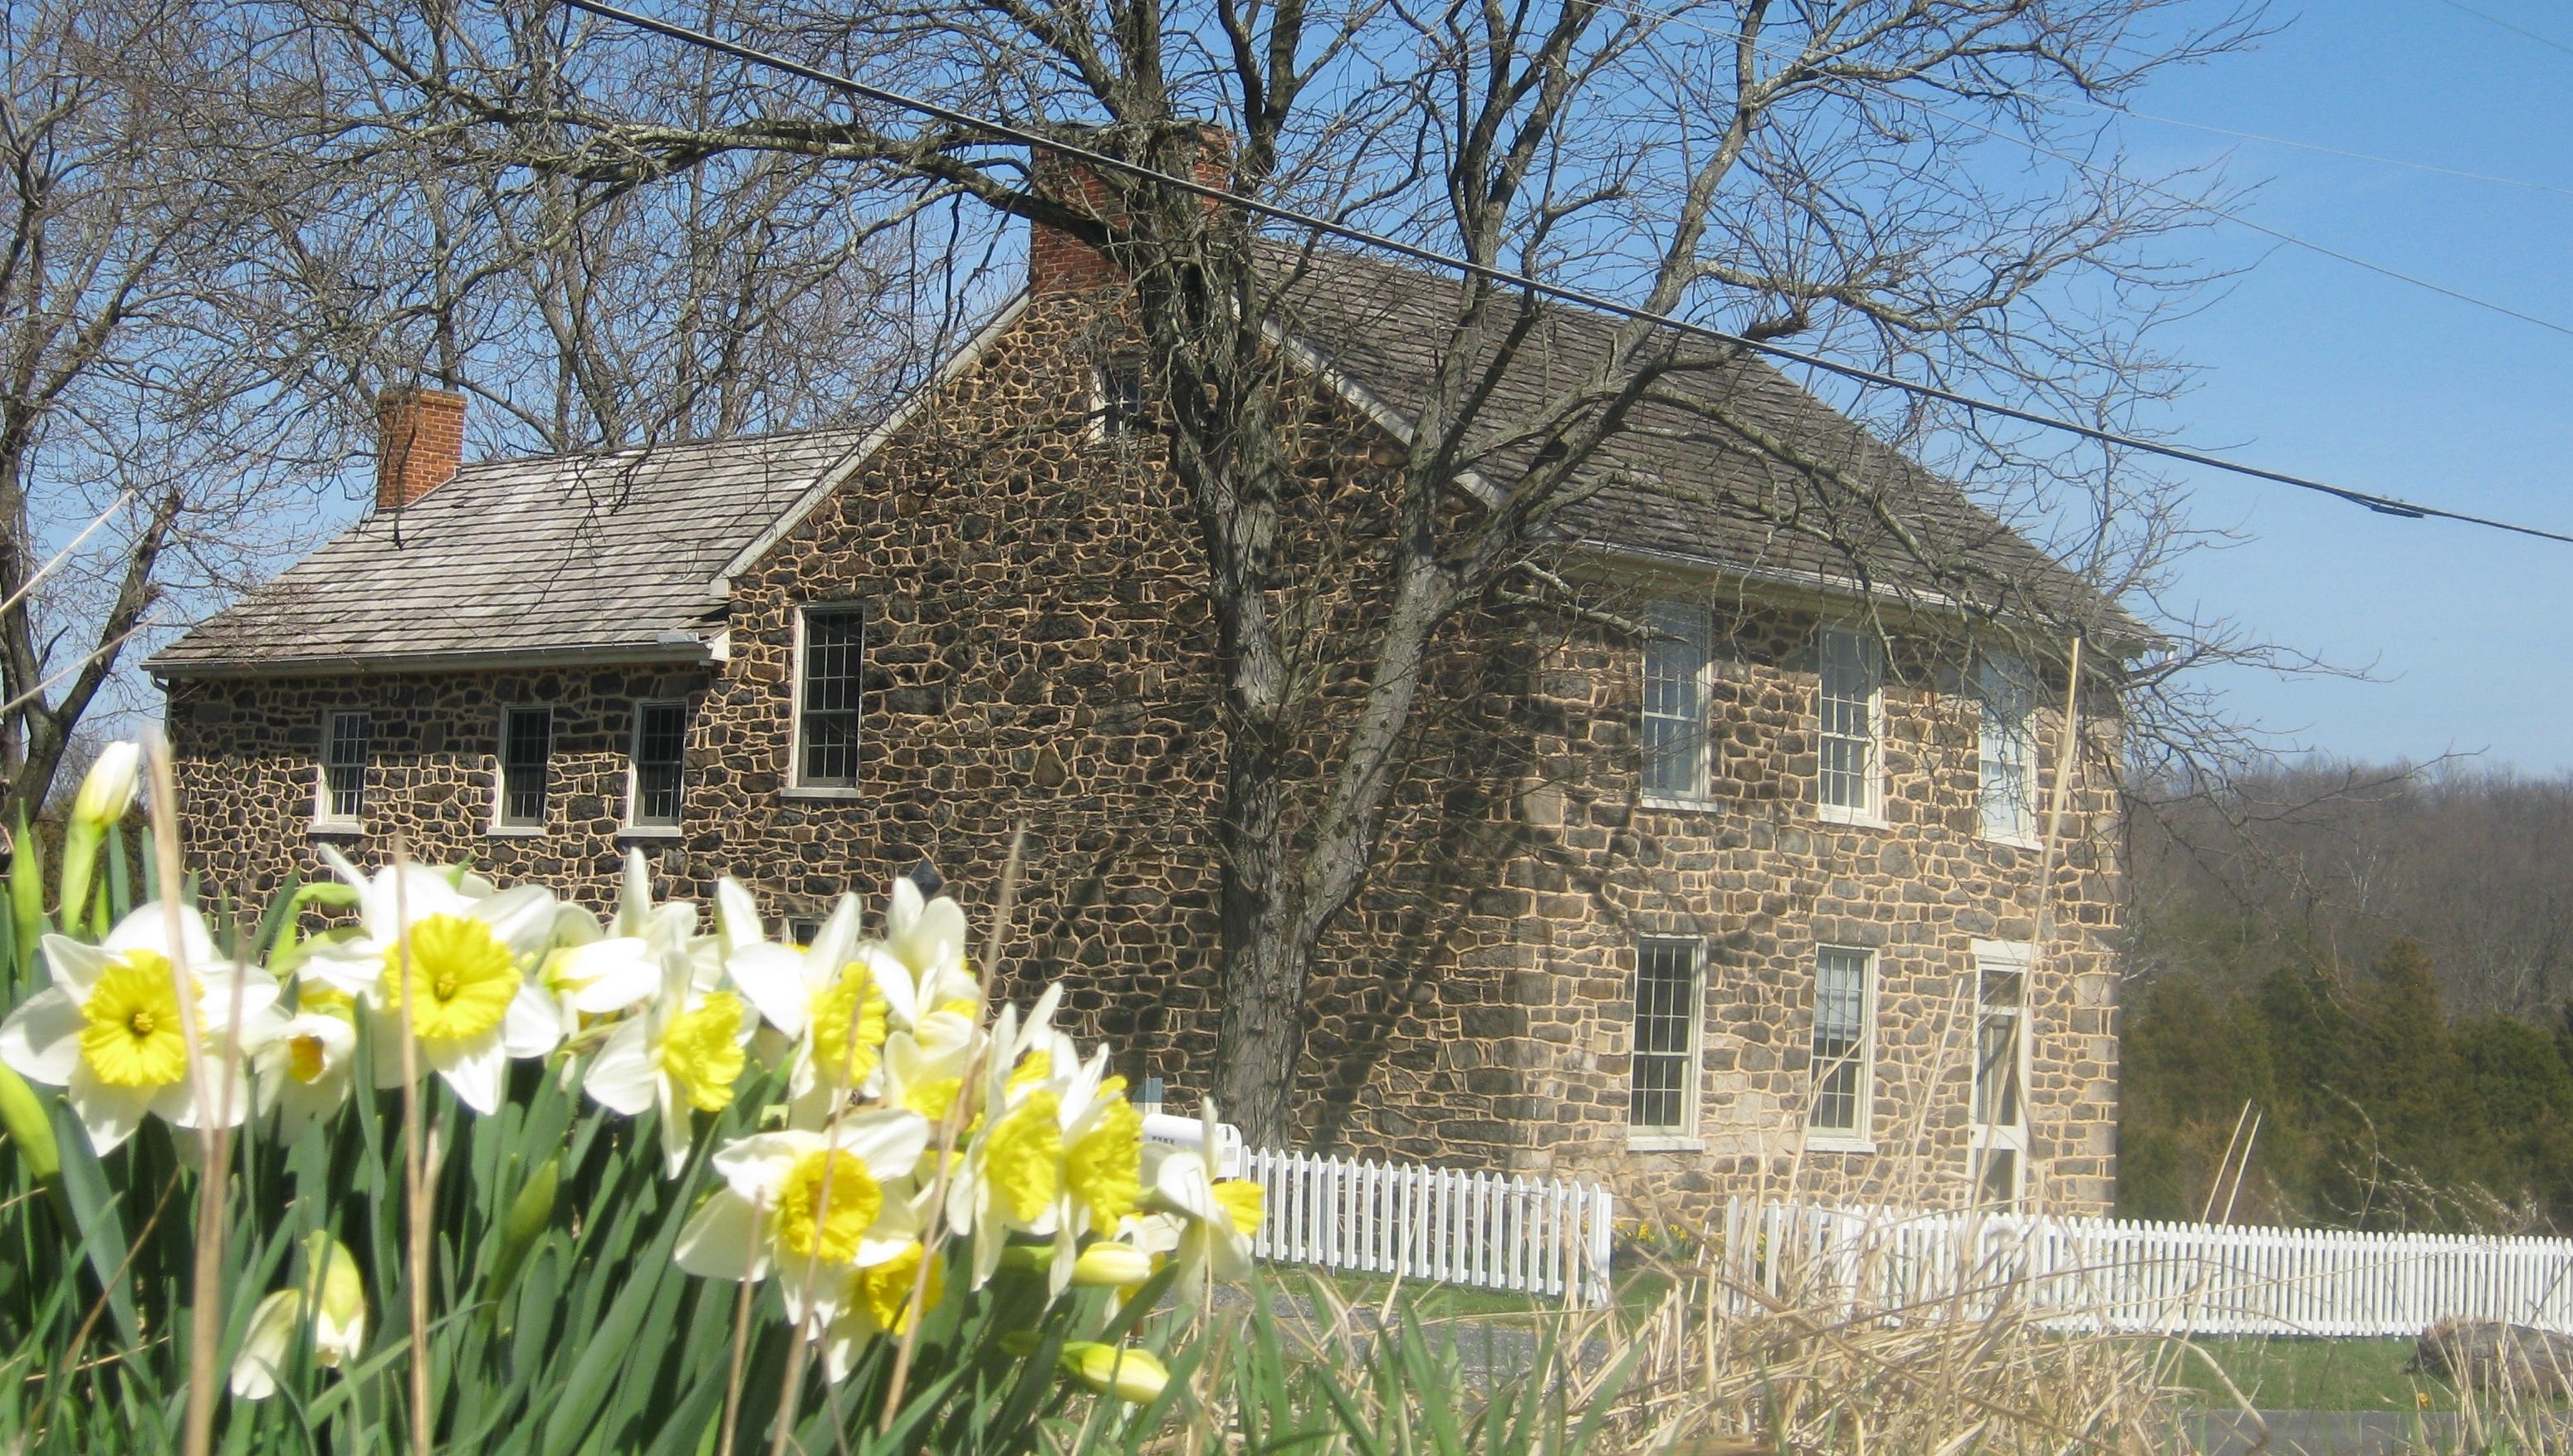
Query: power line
[2111,174]
[2429,166]
[1005,131]
[2547,41]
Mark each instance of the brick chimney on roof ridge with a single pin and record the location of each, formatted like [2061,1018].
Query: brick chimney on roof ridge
[1058,262]
[420,442]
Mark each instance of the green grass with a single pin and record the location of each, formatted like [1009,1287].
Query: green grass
[1432,1303]
[2311,1374]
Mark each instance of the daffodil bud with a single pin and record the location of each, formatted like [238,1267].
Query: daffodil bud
[1108,1264]
[525,1222]
[108,792]
[23,1114]
[1131,1375]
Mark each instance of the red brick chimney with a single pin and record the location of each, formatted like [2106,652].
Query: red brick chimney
[420,440]
[1059,263]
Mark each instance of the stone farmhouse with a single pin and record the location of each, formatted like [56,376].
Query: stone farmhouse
[1749,899]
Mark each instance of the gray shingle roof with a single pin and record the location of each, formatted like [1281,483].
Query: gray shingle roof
[603,554]
[618,554]
[1685,481]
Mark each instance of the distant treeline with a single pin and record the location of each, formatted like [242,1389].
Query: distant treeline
[2378,963]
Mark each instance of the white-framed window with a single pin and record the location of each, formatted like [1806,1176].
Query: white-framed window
[1675,706]
[339,787]
[830,673]
[801,929]
[526,768]
[2006,748]
[1116,400]
[1663,1072]
[1852,728]
[655,764]
[1998,1125]
[1842,1108]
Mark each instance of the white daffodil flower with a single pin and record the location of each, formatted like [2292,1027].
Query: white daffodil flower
[304,1068]
[1216,1216]
[336,1296]
[473,1005]
[109,1031]
[877,1301]
[683,1053]
[816,1204]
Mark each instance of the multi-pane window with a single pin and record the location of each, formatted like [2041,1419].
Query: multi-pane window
[2000,1122]
[2009,747]
[1675,756]
[1850,725]
[343,791]
[826,728]
[661,740]
[1841,1044]
[1117,400]
[527,753]
[1664,1065]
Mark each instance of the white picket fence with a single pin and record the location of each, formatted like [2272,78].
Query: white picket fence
[1493,1231]
[2136,1277]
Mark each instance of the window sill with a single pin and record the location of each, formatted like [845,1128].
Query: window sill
[1663,1143]
[1669,804]
[2014,840]
[638,833]
[817,793]
[513,830]
[1820,1144]
[1850,818]
[337,828]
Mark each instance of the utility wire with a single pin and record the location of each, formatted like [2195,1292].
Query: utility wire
[2430,167]
[1006,130]
[2547,41]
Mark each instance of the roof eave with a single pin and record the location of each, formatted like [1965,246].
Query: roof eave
[693,653]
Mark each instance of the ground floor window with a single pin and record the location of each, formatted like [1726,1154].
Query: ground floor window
[1669,988]
[2000,1124]
[1844,1044]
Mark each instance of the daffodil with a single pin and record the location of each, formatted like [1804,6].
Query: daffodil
[1216,1217]
[333,1298]
[876,1302]
[455,951]
[1111,1264]
[1132,1375]
[681,1055]
[110,1032]
[304,1065]
[817,1204]
[842,997]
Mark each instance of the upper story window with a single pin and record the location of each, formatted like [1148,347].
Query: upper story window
[340,793]
[2006,748]
[1853,726]
[526,761]
[831,666]
[1662,1074]
[1115,399]
[1674,727]
[1844,1045]
[660,745]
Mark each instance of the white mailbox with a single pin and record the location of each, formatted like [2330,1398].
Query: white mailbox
[1189,1133]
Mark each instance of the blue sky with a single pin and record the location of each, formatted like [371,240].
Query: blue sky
[2315,366]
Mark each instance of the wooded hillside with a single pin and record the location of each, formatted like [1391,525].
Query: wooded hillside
[2378,962]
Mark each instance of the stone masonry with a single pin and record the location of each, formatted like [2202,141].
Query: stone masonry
[1035,657]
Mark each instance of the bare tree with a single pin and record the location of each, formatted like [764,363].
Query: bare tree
[1870,176]
[144,446]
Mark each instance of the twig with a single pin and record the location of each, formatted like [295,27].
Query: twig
[740,1340]
[205,1325]
[415,1173]
[935,1235]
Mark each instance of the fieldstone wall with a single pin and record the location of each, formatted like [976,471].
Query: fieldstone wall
[1037,643]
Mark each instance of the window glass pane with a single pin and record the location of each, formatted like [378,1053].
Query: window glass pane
[344,767]
[1675,700]
[660,741]
[834,653]
[1840,1039]
[1997,1181]
[527,742]
[2008,748]
[1999,1026]
[1848,711]
[1118,388]
[1665,1051]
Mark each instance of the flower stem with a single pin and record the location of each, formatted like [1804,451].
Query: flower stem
[415,1175]
[204,1323]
